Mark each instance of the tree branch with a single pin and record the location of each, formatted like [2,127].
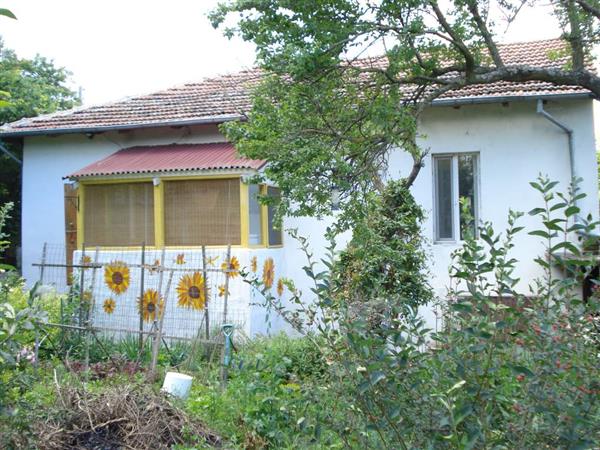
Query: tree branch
[519,74]
[485,32]
[456,40]
[575,36]
[589,8]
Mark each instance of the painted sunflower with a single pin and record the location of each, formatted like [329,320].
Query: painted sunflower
[116,276]
[268,273]
[109,306]
[212,260]
[190,291]
[280,287]
[222,290]
[254,264]
[232,268]
[86,261]
[151,305]
[180,259]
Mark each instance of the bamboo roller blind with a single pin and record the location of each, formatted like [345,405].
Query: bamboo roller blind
[119,214]
[202,212]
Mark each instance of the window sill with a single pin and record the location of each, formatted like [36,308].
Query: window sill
[448,242]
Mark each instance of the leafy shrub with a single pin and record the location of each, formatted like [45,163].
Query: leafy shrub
[289,358]
[273,396]
[516,374]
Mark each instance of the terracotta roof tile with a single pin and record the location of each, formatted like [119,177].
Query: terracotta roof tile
[226,97]
[168,158]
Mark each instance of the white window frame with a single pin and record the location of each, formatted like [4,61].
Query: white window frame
[454,194]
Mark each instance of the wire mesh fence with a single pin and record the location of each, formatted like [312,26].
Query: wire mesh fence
[148,295]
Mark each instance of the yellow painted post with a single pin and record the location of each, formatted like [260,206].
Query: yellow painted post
[80,211]
[159,214]
[264,217]
[244,214]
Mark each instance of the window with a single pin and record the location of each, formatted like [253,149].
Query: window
[188,212]
[202,212]
[456,196]
[255,223]
[119,214]
[274,231]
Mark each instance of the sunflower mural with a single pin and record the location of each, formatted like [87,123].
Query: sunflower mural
[280,287]
[223,290]
[151,305]
[254,264]
[116,276]
[86,260]
[190,291]
[233,267]
[180,259]
[268,273]
[109,306]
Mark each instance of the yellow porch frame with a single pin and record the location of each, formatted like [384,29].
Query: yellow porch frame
[159,220]
[159,215]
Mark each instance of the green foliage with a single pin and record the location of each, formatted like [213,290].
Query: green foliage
[28,87]
[308,164]
[4,216]
[274,398]
[508,370]
[17,312]
[7,13]
[385,260]
[33,86]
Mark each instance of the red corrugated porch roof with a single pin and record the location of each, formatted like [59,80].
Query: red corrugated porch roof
[169,158]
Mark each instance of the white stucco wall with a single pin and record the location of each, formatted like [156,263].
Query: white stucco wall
[514,145]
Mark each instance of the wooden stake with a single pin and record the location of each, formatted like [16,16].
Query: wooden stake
[141,339]
[206,315]
[43,265]
[158,333]
[36,347]
[90,310]
[81,286]
[227,275]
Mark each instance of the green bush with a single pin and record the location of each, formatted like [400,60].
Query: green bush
[275,391]
[517,374]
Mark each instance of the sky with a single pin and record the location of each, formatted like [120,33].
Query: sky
[117,49]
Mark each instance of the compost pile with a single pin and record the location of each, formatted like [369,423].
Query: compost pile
[127,416]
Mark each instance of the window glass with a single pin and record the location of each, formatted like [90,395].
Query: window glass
[467,193]
[119,214]
[443,198]
[275,234]
[255,237]
[202,212]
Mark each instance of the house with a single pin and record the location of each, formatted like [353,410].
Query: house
[154,170]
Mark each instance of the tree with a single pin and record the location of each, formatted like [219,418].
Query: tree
[326,117]
[28,87]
